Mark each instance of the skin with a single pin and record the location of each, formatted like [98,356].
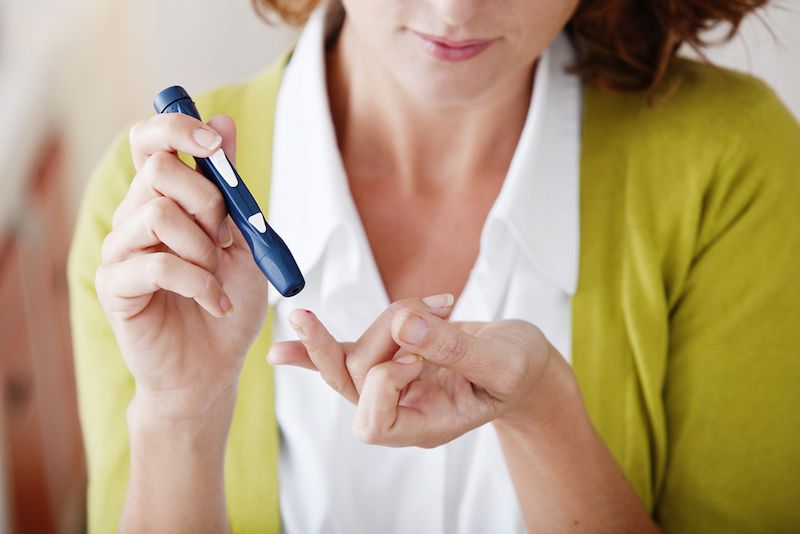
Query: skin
[173,263]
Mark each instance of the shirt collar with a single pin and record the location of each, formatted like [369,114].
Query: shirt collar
[539,200]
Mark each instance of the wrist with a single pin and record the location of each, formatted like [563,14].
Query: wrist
[177,464]
[553,402]
[181,414]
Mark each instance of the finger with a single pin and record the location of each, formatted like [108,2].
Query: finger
[293,353]
[161,221]
[484,362]
[290,353]
[379,418]
[324,352]
[165,175]
[376,345]
[171,132]
[127,286]
[227,129]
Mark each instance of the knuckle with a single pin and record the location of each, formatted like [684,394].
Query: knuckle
[355,370]
[159,210]
[524,326]
[215,204]
[206,286]
[208,255]
[366,432]
[100,280]
[506,383]
[135,130]
[428,443]
[158,265]
[105,248]
[115,218]
[511,378]
[337,384]
[379,373]
[450,349]
[158,164]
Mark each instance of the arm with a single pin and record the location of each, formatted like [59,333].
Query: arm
[732,397]
[152,455]
[160,273]
[106,386]
[564,475]
[177,476]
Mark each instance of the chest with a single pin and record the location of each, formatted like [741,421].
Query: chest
[424,242]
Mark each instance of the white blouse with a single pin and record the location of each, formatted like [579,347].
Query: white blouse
[527,268]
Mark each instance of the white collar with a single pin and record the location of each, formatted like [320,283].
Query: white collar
[540,197]
[310,197]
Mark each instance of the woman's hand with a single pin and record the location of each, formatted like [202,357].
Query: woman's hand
[185,300]
[420,380]
[177,280]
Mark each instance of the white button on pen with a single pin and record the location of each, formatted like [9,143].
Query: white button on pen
[221,163]
[258,222]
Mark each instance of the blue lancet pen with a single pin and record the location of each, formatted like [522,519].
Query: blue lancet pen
[269,251]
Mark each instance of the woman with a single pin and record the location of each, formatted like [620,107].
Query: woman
[610,262]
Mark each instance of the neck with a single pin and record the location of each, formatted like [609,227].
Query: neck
[419,145]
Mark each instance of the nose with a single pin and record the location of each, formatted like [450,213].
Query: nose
[458,12]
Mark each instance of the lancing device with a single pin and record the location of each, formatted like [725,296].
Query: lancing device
[270,252]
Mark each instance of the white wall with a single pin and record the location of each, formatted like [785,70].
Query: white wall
[768,46]
[118,55]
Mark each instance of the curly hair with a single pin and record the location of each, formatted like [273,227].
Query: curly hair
[623,44]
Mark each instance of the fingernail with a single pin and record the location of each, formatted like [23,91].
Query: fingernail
[412,328]
[206,138]
[439,301]
[226,304]
[224,235]
[408,359]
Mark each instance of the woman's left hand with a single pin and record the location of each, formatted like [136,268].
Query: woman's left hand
[420,380]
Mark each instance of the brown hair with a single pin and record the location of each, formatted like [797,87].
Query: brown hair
[624,44]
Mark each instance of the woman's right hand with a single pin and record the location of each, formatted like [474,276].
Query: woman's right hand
[177,280]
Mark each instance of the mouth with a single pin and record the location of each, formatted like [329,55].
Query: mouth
[451,50]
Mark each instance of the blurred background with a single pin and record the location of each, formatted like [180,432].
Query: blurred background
[72,75]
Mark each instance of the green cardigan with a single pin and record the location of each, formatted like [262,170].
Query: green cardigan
[686,320]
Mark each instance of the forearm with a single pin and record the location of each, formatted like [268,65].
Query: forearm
[565,477]
[177,469]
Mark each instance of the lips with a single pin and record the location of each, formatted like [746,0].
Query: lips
[445,49]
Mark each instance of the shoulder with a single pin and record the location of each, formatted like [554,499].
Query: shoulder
[707,128]
[739,111]
[691,83]
[696,101]
[714,153]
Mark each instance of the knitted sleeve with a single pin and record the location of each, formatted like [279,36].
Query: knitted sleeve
[732,390]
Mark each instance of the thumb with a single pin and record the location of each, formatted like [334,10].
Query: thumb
[225,126]
[445,345]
